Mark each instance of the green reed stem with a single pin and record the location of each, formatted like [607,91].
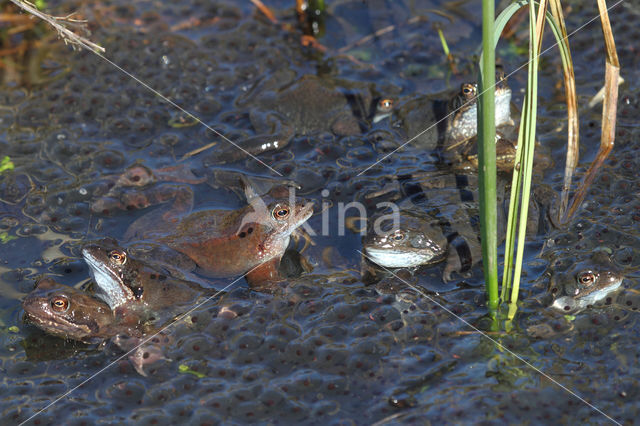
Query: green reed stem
[521,184]
[487,157]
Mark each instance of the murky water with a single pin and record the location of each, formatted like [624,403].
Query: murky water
[327,348]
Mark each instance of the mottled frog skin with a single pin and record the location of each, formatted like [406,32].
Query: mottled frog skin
[125,282]
[431,123]
[228,243]
[448,203]
[306,106]
[585,284]
[416,240]
[72,314]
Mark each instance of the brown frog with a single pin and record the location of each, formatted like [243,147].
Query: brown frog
[431,123]
[305,106]
[585,284]
[125,190]
[66,312]
[126,282]
[227,243]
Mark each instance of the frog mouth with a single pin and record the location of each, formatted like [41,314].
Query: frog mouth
[57,326]
[302,216]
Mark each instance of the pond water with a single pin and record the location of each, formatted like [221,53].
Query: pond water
[327,348]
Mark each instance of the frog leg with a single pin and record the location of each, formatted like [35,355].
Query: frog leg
[393,187]
[299,234]
[145,354]
[267,273]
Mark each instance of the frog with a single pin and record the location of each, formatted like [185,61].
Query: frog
[125,281]
[454,119]
[73,314]
[585,284]
[449,195]
[314,104]
[466,160]
[248,241]
[126,191]
[69,313]
[416,240]
[462,125]
[445,206]
[308,105]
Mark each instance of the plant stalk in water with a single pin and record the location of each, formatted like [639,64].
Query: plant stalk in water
[521,182]
[487,157]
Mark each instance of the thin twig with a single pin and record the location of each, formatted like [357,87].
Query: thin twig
[58,22]
[197,151]
[265,11]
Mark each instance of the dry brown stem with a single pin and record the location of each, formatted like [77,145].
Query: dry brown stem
[59,22]
[609,109]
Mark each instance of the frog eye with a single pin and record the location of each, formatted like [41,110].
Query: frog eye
[469,90]
[60,304]
[385,105]
[398,236]
[586,278]
[280,212]
[117,256]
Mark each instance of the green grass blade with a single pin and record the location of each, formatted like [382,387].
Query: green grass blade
[528,145]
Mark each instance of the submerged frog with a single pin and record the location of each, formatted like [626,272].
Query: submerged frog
[445,207]
[309,105]
[454,121]
[585,284]
[124,191]
[66,312]
[122,280]
[226,243]
[467,159]
[449,197]
[416,241]
[313,104]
